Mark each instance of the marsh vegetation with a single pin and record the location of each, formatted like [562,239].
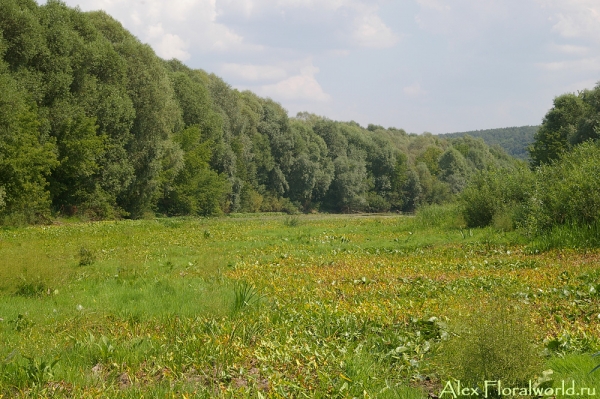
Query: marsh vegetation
[266,305]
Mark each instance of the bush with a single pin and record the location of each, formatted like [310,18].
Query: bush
[278,204]
[497,196]
[251,201]
[377,203]
[292,221]
[494,343]
[567,191]
[2,195]
[86,257]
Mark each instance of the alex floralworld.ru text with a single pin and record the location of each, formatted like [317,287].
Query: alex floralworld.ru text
[456,389]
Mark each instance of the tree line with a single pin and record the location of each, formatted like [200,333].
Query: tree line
[560,187]
[93,123]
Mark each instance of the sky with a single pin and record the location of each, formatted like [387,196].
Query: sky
[421,65]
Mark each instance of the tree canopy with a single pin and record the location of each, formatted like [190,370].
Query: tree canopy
[93,123]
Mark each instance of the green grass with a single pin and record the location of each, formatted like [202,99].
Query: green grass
[571,236]
[575,371]
[270,305]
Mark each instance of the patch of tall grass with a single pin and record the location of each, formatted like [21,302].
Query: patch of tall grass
[574,236]
[438,216]
[575,370]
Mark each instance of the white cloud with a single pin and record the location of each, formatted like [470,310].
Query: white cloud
[414,90]
[302,86]
[299,87]
[162,24]
[171,46]
[250,7]
[339,53]
[250,72]
[579,85]
[167,45]
[181,10]
[327,4]
[357,20]
[463,19]
[371,31]
[575,18]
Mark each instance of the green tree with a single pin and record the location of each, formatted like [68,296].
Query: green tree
[454,170]
[311,172]
[79,152]
[431,157]
[157,116]
[558,129]
[589,124]
[194,189]
[346,192]
[398,180]
[413,191]
[21,32]
[27,156]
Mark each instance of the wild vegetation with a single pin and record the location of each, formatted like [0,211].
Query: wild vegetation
[276,305]
[558,198]
[94,124]
[495,277]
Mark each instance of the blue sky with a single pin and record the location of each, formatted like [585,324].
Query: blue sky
[421,65]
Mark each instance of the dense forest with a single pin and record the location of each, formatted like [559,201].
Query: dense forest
[514,140]
[94,124]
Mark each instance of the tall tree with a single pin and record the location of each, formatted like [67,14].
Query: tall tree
[558,129]
[27,155]
[589,124]
[157,116]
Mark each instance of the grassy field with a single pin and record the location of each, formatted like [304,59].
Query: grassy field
[281,306]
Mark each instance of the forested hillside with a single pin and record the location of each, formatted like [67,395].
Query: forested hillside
[514,140]
[93,123]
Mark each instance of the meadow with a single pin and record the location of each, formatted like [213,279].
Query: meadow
[285,306]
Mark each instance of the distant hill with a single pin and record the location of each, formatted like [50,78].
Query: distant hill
[514,140]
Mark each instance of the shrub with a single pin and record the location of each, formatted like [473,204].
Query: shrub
[376,203]
[567,191]
[251,201]
[86,257]
[2,195]
[494,343]
[492,196]
[278,204]
[291,221]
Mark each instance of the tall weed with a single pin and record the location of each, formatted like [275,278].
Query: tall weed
[244,295]
[494,343]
